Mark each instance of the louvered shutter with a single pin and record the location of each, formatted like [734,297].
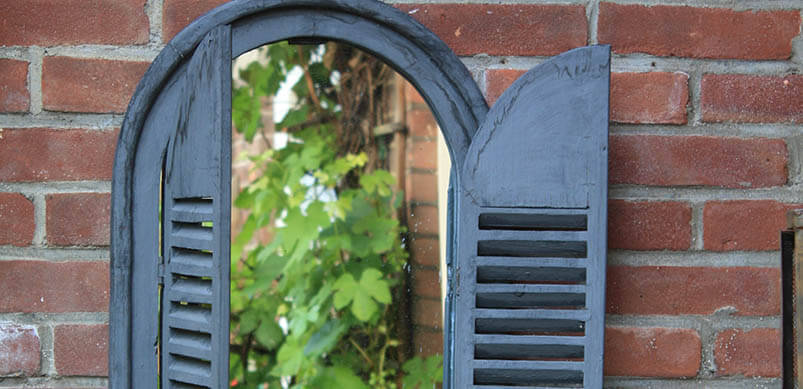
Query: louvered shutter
[531,231]
[194,336]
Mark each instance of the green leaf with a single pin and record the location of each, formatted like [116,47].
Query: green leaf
[346,287]
[420,373]
[364,307]
[249,321]
[340,377]
[325,338]
[372,282]
[269,334]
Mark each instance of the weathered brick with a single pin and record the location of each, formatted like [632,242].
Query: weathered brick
[177,14]
[423,219]
[16,220]
[78,219]
[751,353]
[642,225]
[427,312]
[656,97]
[750,225]
[424,251]
[424,187]
[423,155]
[40,154]
[751,99]
[698,32]
[697,160]
[420,122]
[43,286]
[426,282]
[81,349]
[89,85]
[652,352]
[19,350]
[73,22]
[427,341]
[668,290]
[500,29]
[14,95]
[497,81]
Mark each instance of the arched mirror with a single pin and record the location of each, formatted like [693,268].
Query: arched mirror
[525,210]
[337,177]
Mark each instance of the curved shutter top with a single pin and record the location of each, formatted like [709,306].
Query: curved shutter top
[550,121]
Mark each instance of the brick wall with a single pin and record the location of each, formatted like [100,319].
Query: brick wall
[706,143]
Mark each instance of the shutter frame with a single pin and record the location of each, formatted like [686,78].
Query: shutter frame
[531,231]
[197,192]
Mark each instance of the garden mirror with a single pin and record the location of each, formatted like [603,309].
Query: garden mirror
[525,215]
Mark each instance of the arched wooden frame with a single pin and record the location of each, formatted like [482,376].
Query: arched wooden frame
[407,46]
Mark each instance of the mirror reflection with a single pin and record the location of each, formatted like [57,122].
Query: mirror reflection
[339,182]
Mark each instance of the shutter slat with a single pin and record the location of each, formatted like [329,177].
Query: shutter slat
[192,290]
[529,288]
[529,339]
[192,344]
[528,365]
[193,210]
[192,263]
[189,370]
[192,236]
[573,314]
[191,317]
[489,234]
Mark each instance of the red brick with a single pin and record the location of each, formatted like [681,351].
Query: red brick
[78,219]
[642,225]
[497,81]
[751,353]
[19,350]
[16,220]
[39,154]
[420,122]
[424,155]
[81,349]
[14,96]
[652,352]
[657,97]
[177,14]
[683,31]
[426,283]
[427,313]
[751,99]
[750,225]
[72,22]
[668,290]
[504,29]
[424,187]
[424,251]
[89,85]
[42,286]
[423,219]
[697,160]
[427,342]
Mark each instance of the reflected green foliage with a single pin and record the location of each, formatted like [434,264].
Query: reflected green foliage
[314,308]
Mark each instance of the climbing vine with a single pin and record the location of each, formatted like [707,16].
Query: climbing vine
[316,306]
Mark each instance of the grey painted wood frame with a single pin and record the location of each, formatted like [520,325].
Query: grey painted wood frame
[384,31]
[460,110]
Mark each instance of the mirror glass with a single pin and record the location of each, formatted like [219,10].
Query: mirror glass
[339,177]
